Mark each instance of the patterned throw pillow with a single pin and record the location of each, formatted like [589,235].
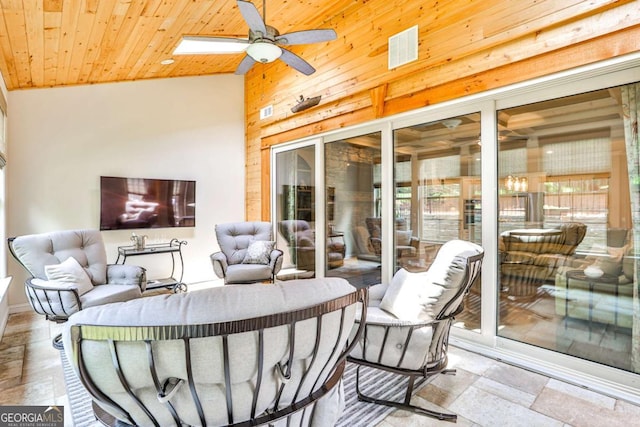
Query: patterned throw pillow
[259,252]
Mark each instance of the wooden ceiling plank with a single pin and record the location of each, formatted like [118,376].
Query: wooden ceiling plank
[137,49]
[52,5]
[157,45]
[125,41]
[164,48]
[16,28]
[83,31]
[523,17]
[7,63]
[95,40]
[34,22]
[69,23]
[52,28]
[100,64]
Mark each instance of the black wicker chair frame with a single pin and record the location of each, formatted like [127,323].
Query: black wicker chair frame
[329,375]
[441,327]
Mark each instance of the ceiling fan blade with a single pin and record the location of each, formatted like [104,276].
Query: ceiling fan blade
[306,37]
[294,61]
[190,45]
[252,16]
[245,65]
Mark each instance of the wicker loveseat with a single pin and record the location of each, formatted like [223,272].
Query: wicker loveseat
[231,355]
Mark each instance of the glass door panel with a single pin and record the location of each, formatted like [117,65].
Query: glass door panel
[352,207]
[295,212]
[438,195]
[564,207]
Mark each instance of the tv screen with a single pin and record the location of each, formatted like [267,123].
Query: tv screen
[128,203]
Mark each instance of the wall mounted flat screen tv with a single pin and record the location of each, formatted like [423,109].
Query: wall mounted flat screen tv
[130,203]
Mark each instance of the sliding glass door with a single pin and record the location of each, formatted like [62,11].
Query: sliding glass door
[437,195]
[546,177]
[565,237]
[353,209]
[295,211]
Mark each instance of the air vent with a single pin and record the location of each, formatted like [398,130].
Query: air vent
[403,47]
[266,112]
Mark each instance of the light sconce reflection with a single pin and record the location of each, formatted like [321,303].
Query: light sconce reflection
[514,183]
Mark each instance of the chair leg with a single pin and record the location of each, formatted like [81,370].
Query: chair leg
[406,405]
[57,342]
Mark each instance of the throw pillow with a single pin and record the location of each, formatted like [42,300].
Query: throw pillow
[69,272]
[259,252]
[405,296]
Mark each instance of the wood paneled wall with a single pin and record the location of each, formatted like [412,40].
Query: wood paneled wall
[465,47]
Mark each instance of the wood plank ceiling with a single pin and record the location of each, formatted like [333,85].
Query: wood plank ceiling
[47,43]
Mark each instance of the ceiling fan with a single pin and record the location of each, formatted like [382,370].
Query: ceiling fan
[265,43]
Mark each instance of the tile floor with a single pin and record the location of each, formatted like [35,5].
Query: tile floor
[483,393]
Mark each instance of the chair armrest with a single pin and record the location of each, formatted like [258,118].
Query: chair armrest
[53,286]
[275,261]
[124,274]
[219,261]
[57,301]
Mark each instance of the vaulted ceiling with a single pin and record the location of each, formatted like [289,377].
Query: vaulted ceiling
[47,43]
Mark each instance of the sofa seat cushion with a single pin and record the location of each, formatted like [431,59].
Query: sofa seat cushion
[246,273]
[107,294]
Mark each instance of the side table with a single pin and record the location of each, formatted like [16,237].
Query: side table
[173,247]
[605,279]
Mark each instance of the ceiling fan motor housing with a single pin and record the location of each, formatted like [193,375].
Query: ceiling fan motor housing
[271,35]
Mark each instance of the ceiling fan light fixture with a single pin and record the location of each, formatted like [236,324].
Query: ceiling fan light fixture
[451,123]
[264,52]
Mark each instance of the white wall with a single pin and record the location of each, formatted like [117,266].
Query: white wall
[62,140]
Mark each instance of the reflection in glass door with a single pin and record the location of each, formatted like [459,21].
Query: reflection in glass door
[295,212]
[354,241]
[565,212]
[438,195]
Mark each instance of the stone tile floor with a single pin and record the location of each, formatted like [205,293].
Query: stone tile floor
[484,392]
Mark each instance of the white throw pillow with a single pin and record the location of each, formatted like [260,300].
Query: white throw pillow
[259,252]
[69,272]
[406,295]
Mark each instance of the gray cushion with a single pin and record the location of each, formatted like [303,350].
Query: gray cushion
[248,273]
[107,294]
